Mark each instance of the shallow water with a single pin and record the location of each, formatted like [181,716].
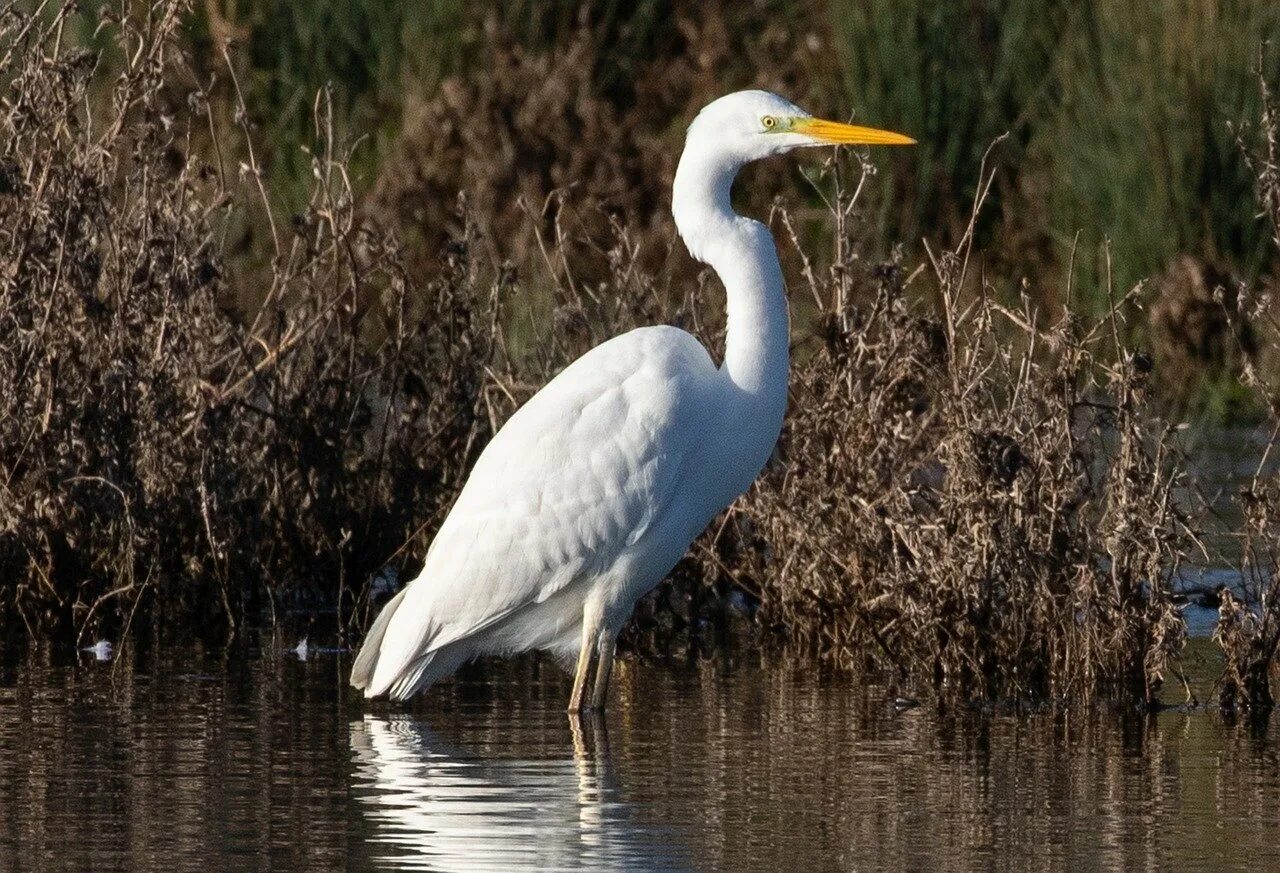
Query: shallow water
[194,762]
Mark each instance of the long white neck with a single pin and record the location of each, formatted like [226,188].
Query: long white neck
[743,254]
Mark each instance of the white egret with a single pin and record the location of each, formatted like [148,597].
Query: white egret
[594,489]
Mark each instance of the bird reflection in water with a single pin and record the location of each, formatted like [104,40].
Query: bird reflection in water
[436,808]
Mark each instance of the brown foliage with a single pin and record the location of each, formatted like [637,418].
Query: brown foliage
[151,444]
[537,131]
[971,497]
[1192,333]
[1248,629]
[158,449]
[966,494]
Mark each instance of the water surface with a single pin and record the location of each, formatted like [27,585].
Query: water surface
[190,761]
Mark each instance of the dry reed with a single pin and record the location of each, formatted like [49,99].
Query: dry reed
[156,448]
[974,495]
[971,493]
[1248,627]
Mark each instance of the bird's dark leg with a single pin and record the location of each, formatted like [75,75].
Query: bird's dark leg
[589,634]
[605,646]
[590,738]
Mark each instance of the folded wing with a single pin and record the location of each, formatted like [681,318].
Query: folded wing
[578,474]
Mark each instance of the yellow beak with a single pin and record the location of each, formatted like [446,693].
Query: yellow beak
[847,134]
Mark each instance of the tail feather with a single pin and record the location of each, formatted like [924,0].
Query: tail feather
[427,670]
[367,659]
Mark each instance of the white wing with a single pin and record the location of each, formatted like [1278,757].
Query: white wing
[576,476]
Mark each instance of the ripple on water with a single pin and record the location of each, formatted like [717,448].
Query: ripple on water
[190,763]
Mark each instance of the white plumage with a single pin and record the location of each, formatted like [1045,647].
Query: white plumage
[593,489]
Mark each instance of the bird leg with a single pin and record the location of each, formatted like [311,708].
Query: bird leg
[590,737]
[585,660]
[606,645]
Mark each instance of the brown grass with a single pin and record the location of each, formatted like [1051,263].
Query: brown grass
[537,133]
[155,448]
[1248,629]
[970,493]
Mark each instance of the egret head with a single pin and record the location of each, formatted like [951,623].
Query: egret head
[749,125]
[735,130]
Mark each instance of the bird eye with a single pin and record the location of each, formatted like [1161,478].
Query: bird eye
[768,121]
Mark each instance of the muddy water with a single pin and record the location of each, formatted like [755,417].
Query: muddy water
[265,762]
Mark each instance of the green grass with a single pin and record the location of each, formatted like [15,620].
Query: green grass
[955,76]
[1118,118]
[1140,146]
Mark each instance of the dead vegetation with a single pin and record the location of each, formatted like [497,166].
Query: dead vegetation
[1194,340]
[165,456]
[971,492]
[155,449]
[1248,628]
[539,130]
